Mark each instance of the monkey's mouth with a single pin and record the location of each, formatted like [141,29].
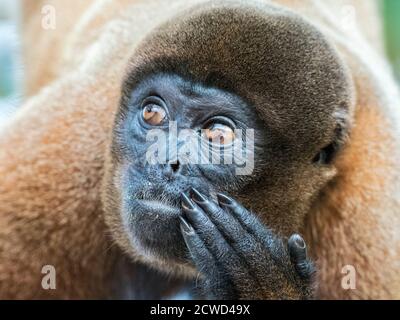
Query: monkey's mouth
[162,207]
[153,228]
[150,213]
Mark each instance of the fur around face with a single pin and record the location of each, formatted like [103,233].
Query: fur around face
[53,152]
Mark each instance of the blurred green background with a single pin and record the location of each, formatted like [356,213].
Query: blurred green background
[10,69]
[391,14]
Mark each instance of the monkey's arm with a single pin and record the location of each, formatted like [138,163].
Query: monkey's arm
[239,257]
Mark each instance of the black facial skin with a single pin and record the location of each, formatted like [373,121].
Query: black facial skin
[151,193]
[225,240]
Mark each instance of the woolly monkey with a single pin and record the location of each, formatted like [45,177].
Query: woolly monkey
[325,155]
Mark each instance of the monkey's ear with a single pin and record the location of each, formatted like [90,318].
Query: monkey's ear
[327,154]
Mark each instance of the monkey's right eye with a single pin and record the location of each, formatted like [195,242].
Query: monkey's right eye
[153,113]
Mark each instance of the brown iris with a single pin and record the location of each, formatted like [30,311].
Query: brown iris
[219,133]
[154,114]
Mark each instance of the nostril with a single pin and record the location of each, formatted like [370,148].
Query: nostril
[175,166]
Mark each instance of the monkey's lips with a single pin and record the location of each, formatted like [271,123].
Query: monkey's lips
[153,228]
[163,208]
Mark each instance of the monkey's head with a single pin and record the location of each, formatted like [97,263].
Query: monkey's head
[213,70]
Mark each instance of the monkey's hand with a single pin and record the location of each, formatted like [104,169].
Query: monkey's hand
[238,257]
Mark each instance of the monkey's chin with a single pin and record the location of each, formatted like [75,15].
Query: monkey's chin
[154,232]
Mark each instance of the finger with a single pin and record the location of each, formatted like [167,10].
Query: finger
[244,244]
[206,230]
[202,258]
[247,219]
[223,220]
[194,214]
[297,248]
[217,281]
[298,255]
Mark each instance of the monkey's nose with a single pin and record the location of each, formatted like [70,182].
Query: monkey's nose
[175,166]
[172,169]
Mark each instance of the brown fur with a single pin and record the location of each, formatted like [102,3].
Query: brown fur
[52,158]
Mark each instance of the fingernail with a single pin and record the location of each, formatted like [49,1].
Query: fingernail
[197,196]
[299,241]
[187,202]
[185,226]
[223,199]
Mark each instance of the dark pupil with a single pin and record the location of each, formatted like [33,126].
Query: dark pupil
[153,114]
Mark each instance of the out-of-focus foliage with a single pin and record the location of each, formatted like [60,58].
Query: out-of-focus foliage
[6,61]
[391,13]
[7,49]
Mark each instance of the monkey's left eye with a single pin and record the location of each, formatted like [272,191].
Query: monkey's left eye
[153,112]
[218,133]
